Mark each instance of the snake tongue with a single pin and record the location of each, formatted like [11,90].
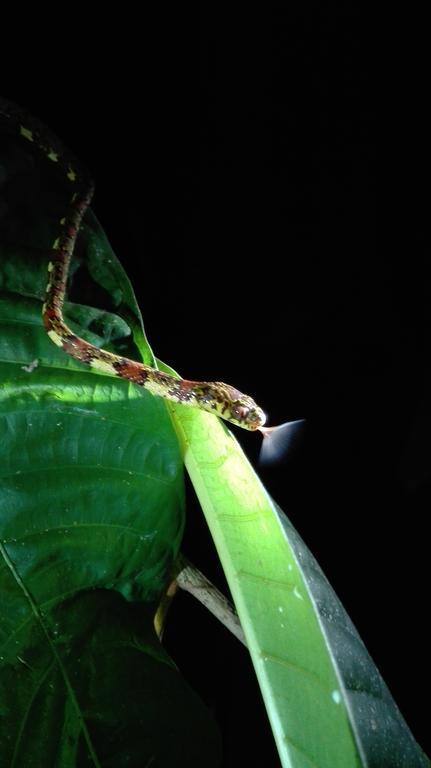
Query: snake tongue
[278,442]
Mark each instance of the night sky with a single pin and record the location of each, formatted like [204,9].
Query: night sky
[235,164]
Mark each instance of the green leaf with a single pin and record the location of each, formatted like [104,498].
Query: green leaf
[100,691]
[91,520]
[98,447]
[326,701]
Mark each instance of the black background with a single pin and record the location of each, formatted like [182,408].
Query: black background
[234,158]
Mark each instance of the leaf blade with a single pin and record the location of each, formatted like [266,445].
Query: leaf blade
[316,716]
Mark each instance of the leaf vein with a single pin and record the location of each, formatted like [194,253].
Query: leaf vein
[37,615]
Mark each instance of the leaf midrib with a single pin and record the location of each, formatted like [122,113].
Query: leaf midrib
[36,613]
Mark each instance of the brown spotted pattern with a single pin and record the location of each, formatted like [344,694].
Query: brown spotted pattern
[216,397]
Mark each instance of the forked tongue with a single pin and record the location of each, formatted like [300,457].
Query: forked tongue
[279,442]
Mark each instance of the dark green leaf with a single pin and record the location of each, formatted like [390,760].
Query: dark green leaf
[91,519]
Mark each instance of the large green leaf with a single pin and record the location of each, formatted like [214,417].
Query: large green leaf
[327,703]
[91,519]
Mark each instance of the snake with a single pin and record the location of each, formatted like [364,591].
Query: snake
[216,397]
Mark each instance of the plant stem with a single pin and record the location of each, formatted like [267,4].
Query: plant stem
[192,580]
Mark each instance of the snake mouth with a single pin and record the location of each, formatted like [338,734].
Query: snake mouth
[259,419]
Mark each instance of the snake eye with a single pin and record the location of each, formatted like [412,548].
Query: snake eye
[240,412]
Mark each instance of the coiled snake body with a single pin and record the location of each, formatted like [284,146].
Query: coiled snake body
[216,397]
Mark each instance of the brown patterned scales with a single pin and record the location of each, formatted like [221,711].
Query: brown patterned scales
[216,397]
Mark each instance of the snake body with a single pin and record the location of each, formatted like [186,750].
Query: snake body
[216,397]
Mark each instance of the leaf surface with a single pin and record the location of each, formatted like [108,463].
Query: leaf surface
[327,703]
[91,518]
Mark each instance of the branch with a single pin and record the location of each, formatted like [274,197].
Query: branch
[191,580]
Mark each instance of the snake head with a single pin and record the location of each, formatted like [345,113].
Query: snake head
[244,412]
[232,405]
